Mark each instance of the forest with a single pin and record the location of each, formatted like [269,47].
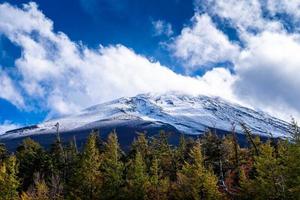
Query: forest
[208,167]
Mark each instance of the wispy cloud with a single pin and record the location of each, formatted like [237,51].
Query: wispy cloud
[63,76]
[266,61]
[8,90]
[6,126]
[162,28]
[202,44]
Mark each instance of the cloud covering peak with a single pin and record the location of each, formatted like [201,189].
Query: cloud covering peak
[63,76]
[264,55]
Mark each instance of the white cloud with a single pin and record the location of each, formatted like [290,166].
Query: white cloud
[268,72]
[63,77]
[266,65]
[202,44]
[8,91]
[6,126]
[219,82]
[290,7]
[21,20]
[244,15]
[162,28]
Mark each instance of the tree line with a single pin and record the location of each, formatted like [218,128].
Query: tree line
[209,167]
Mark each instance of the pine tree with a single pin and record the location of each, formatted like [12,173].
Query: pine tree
[268,182]
[164,153]
[112,168]
[181,152]
[137,179]
[3,152]
[31,159]
[246,191]
[158,185]
[38,191]
[231,161]
[58,158]
[295,131]
[72,166]
[88,178]
[289,161]
[141,144]
[214,151]
[8,179]
[194,181]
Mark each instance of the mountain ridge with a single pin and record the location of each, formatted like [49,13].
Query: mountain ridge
[187,113]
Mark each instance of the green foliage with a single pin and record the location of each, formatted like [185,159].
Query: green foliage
[194,181]
[58,158]
[8,179]
[72,166]
[213,151]
[269,181]
[31,158]
[141,144]
[39,191]
[112,168]
[3,152]
[277,173]
[206,168]
[161,150]
[88,178]
[289,163]
[137,179]
[295,131]
[158,186]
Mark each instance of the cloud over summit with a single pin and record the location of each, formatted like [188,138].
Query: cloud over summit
[62,76]
[265,60]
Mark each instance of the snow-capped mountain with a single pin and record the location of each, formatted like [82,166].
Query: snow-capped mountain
[184,113]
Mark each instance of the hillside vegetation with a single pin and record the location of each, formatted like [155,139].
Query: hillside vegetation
[206,168]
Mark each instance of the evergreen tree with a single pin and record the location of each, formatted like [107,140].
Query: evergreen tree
[72,166]
[181,152]
[3,152]
[289,162]
[194,181]
[88,178]
[8,179]
[269,182]
[164,153]
[246,189]
[38,191]
[137,179]
[294,131]
[112,168]
[158,185]
[154,170]
[31,159]
[230,162]
[213,151]
[141,144]
[58,158]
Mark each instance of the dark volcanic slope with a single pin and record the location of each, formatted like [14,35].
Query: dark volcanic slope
[171,112]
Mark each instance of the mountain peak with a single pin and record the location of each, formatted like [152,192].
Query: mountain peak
[189,114]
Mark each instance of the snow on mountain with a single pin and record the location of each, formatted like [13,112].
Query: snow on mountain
[188,114]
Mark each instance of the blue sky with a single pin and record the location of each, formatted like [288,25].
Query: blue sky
[58,57]
[108,22]
[103,22]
